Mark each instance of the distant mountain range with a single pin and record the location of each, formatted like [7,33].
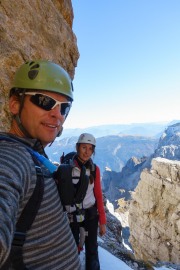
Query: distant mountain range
[111,151]
[135,129]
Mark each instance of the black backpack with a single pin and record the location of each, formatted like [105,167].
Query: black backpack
[70,194]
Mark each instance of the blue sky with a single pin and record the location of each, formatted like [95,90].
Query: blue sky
[129,65]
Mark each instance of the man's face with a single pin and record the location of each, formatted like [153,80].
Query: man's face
[39,123]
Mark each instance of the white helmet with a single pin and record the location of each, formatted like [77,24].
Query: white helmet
[87,138]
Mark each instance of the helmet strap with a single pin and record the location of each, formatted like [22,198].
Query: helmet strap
[22,97]
[18,116]
[18,121]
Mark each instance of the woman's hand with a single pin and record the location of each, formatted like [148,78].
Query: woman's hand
[102,229]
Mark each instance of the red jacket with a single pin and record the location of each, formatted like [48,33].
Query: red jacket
[99,197]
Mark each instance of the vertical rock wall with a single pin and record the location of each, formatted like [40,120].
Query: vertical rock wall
[36,29]
[154,217]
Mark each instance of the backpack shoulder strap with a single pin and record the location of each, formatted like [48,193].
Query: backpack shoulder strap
[66,189]
[25,221]
[30,210]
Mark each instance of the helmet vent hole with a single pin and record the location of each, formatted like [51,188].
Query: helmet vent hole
[32,74]
[30,63]
[35,66]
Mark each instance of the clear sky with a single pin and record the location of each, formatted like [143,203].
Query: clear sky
[129,65]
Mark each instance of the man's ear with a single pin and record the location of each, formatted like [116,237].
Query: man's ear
[14,105]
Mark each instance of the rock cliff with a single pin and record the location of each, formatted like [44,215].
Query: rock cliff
[169,143]
[154,215]
[32,30]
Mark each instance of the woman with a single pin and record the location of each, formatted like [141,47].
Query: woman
[90,213]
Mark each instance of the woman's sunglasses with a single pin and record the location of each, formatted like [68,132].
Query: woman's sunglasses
[48,103]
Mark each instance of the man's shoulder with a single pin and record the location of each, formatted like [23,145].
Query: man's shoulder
[13,148]
[16,139]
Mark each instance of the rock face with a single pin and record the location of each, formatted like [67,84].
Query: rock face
[154,215]
[34,30]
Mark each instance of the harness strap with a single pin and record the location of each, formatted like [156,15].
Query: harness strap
[83,185]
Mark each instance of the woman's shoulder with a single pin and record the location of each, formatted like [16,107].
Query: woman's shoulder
[97,168]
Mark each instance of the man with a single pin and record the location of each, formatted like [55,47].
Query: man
[40,100]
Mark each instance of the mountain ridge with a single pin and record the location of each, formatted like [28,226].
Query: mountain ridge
[151,129]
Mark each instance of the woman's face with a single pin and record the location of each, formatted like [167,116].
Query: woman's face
[84,151]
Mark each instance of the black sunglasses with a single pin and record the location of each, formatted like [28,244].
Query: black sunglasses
[48,103]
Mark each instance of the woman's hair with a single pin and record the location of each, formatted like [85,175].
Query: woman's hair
[91,178]
[90,165]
